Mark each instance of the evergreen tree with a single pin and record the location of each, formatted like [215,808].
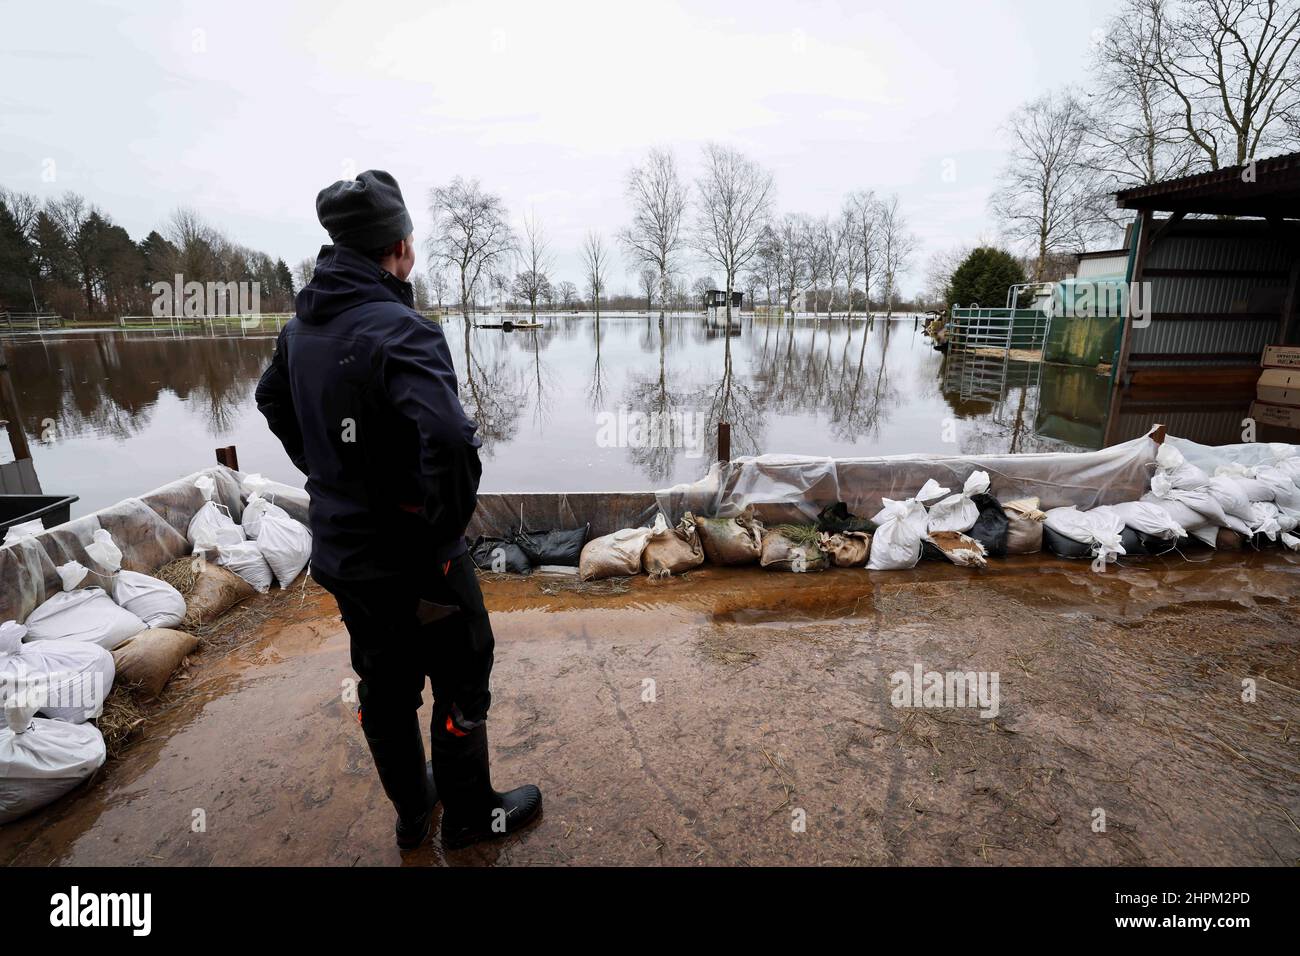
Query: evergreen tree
[983,279]
[15,264]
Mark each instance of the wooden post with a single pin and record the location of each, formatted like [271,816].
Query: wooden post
[229,457]
[1158,436]
[724,441]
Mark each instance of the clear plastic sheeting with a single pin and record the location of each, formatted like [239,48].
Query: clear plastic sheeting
[149,530]
[605,512]
[1210,457]
[794,488]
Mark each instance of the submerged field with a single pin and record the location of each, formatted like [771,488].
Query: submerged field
[770,706]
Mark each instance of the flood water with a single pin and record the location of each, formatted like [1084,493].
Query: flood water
[624,404]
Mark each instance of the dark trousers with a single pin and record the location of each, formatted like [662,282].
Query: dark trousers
[394,653]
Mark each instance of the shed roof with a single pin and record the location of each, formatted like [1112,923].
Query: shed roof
[1272,190]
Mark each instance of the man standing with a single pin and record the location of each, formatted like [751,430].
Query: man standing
[362,394]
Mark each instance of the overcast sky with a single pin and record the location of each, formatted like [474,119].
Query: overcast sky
[245,110]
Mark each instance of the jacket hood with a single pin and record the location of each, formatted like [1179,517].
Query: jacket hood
[345,279]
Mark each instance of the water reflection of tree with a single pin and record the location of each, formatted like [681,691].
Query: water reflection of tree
[491,391]
[656,397]
[735,402]
[109,383]
[599,381]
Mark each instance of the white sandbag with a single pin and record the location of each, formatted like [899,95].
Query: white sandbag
[1199,499]
[1291,541]
[1286,494]
[211,525]
[900,530]
[67,680]
[1149,518]
[259,505]
[1254,489]
[151,599]
[1232,497]
[42,759]
[957,512]
[286,545]
[1265,520]
[246,560]
[23,529]
[613,555]
[82,614]
[1178,470]
[1100,528]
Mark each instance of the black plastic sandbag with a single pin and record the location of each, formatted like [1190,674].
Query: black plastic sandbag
[991,527]
[561,546]
[498,554]
[1133,541]
[1063,547]
[837,517]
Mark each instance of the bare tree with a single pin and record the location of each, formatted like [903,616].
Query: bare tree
[658,199]
[566,293]
[1232,69]
[851,254]
[814,257]
[831,240]
[897,244]
[439,286]
[863,210]
[24,207]
[533,283]
[1050,197]
[596,260]
[790,234]
[735,203]
[649,284]
[470,234]
[1140,141]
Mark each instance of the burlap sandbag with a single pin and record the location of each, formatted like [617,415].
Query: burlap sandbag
[782,553]
[846,549]
[613,555]
[147,661]
[673,550]
[1024,526]
[214,591]
[737,540]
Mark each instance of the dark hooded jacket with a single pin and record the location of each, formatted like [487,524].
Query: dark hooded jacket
[362,394]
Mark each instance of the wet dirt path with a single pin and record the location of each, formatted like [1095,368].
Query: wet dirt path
[744,717]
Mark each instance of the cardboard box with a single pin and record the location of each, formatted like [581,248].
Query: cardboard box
[1279,386]
[1281,356]
[1281,416]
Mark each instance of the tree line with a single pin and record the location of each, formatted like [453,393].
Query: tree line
[67,256]
[726,220]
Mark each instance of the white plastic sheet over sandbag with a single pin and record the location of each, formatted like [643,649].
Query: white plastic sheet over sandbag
[1244,477]
[151,599]
[957,512]
[212,525]
[286,545]
[1099,528]
[67,680]
[901,529]
[82,614]
[23,529]
[795,488]
[1198,499]
[1180,472]
[42,759]
[246,560]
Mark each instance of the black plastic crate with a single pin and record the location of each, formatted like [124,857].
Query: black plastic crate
[51,509]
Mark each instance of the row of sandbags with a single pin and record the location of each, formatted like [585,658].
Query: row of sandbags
[265,545]
[1257,503]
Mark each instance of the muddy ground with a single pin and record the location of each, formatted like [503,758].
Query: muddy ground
[1119,693]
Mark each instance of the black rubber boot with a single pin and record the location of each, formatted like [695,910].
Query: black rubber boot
[408,780]
[472,810]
